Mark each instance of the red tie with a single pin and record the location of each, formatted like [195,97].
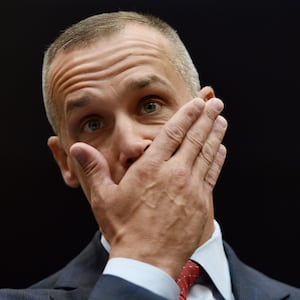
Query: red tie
[187,277]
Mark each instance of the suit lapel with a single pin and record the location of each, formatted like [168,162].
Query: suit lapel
[79,277]
[249,284]
[84,270]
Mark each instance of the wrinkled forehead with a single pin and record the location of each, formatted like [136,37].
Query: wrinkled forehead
[134,40]
[131,34]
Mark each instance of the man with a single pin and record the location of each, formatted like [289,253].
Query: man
[136,132]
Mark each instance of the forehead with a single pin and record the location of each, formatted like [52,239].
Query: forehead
[131,37]
[134,47]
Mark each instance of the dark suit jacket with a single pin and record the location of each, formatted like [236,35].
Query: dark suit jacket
[81,279]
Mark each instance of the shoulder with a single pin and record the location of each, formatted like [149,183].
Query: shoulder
[246,279]
[107,287]
[70,284]
[90,261]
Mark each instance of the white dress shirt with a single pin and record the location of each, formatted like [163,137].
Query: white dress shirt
[210,256]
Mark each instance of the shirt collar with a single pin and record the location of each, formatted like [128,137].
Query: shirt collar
[212,258]
[105,243]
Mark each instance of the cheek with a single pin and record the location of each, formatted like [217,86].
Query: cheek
[154,131]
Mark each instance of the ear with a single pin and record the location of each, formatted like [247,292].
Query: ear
[206,93]
[63,160]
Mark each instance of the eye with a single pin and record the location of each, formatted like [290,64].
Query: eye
[150,107]
[93,124]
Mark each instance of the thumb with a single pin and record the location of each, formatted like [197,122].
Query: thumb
[92,163]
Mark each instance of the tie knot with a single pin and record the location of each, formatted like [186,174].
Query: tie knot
[187,277]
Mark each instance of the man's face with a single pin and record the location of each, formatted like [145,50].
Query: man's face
[116,95]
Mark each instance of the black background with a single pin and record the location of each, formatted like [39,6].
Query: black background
[247,50]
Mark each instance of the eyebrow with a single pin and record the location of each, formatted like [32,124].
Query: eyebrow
[133,84]
[137,84]
[77,103]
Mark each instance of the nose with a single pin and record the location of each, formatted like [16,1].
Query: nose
[132,142]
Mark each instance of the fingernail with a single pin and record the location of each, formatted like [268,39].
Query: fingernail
[218,104]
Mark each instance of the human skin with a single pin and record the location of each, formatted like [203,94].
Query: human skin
[146,154]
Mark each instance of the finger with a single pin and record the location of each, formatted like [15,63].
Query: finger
[211,147]
[174,131]
[216,167]
[206,93]
[92,163]
[199,132]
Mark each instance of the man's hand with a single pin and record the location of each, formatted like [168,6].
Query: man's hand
[158,211]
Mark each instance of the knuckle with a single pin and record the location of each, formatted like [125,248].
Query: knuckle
[219,128]
[153,167]
[211,113]
[174,132]
[180,176]
[216,167]
[195,139]
[207,153]
[211,178]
